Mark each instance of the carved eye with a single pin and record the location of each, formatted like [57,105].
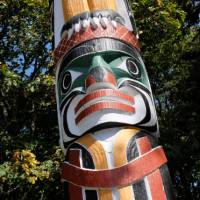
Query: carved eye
[133,68]
[66,82]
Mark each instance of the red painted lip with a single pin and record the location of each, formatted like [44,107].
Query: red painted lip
[102,106]
[103,93]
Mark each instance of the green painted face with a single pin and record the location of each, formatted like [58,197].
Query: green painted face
[123,67]
[106,87]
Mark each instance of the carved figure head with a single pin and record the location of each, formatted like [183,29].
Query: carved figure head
[101,89]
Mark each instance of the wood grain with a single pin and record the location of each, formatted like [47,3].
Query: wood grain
[74,7]
[102,4]
[120,158]
[99,157]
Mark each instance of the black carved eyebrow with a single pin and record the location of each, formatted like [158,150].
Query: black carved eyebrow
[98,45]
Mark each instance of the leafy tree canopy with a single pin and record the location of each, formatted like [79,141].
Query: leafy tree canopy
[30,157]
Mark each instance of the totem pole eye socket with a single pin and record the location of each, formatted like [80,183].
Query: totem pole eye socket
[133,68]
[66,82]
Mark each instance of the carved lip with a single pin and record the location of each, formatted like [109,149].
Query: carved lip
[104,93]
[104,99]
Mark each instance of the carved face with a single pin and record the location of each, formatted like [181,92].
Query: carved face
[105,89]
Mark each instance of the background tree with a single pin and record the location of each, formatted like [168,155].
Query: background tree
[28,123]
[30,157]
[170,45]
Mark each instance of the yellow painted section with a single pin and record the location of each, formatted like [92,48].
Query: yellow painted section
[126,193]
[105,194]
[96,150]
[102,4]
[99,157]
[120,146]
[74,7]
[120,157]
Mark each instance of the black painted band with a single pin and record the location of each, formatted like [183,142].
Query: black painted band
[98,45]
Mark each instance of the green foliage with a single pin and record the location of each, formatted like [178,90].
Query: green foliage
[25,172]
[29,154]
[169,38]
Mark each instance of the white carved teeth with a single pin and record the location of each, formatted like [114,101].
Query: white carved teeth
[94,22]
[70,32]
[77,27]
[105,19]
[103,22]
[85,23]
[114,23]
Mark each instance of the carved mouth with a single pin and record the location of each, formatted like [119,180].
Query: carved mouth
[104,99]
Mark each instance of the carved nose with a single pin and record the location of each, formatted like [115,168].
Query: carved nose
[101,76]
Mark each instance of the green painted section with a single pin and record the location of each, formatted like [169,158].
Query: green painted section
[114,61]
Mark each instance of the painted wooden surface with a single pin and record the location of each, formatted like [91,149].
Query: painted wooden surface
[106,113]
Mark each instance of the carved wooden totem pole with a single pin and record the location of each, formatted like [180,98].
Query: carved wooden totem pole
[107,118]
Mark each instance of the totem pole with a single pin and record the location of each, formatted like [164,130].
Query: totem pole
[107,119]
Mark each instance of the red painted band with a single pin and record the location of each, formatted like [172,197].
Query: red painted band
[154,179]
[102,106]
[75,192]
[144,145]
[117,177]
[103,93]
[89,81]
[120,32]
[110,78]
[156,186]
